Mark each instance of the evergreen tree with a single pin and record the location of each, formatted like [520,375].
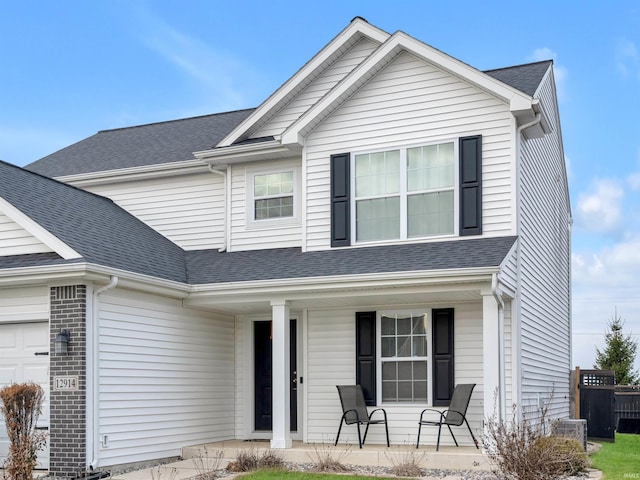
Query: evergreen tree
[619,353]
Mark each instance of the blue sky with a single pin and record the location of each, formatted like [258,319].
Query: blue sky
[70,68]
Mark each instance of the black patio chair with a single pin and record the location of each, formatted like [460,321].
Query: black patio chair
[455,415]
[354,410]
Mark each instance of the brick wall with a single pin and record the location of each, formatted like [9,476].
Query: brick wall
[68,407]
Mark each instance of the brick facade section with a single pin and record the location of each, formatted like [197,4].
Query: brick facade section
[67,431]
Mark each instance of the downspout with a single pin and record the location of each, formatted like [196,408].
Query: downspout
[95,372]
[225,181]
[502,398]
[516,322]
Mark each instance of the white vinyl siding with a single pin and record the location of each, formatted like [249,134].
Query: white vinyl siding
[331,362]
[15,240]
[187,209]
[166,377]
[317,89]
[279,233]
[545,256]
[410,102]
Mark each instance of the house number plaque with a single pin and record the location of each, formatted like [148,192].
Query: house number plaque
[66,383]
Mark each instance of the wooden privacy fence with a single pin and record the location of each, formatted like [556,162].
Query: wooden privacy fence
[606,407]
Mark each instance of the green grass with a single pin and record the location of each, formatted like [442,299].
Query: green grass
[619,460]
[278,474]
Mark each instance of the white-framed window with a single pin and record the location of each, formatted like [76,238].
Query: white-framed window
[272,196]
[403,193]
[403,357]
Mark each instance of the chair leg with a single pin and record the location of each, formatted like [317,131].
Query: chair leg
[472,435]
[418,441]
[453,436]
[438,443]
[366,430]
[339,428]
[386,428]
[359,436]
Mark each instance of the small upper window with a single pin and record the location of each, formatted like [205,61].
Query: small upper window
[273,195]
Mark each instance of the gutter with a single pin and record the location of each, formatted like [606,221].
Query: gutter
[222,171]
[516,320]
[95,391]
[502,397]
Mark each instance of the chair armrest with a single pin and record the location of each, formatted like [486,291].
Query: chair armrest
[384,412]
[440,414]
[344,415]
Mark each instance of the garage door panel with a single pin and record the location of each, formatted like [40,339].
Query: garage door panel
[19,364]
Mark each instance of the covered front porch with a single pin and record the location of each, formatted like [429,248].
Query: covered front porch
[305,454]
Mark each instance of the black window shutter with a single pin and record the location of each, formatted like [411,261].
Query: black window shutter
[366,354]
[471,185]
[443,381]
[340,202]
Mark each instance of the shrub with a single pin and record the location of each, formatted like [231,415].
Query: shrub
[207,463]
[563,455]
[406,462]
[327,458]
[249,460]
[21,407]
[519,449]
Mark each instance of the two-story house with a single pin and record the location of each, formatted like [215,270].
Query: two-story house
[390,216]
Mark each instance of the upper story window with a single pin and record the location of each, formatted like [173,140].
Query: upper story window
[404,193]
[273,195]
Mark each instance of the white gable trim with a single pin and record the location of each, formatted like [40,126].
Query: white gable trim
[35,229]
[519,102]
[357,29]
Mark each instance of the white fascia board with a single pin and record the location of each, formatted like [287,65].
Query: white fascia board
[82,271]
[184,167]
[39,232]
[399,42]
[289,288]
[358,28]
[247,153]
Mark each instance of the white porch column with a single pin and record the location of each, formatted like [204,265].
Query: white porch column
[491,355]
[281,429]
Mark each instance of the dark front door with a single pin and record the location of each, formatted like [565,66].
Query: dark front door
[263,375]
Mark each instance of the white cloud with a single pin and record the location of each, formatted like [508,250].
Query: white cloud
[628,59]
[224,80]
[561,74]
[604,281]
[633,179]
[601,210]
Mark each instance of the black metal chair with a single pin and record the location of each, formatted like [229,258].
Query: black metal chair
[354,410]
[455,415]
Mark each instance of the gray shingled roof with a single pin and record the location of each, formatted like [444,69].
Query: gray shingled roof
[94,226]
[152,144]
[211,266]
[525,78]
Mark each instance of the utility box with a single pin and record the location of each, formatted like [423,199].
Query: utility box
[574,428]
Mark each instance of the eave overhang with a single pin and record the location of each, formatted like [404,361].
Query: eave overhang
[270,150]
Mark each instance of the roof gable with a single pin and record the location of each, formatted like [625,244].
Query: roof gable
[356,30]
[526,78]
[399,42]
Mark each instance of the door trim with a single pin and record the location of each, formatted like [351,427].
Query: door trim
[249,378]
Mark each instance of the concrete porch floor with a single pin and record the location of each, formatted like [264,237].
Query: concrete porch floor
[448,458]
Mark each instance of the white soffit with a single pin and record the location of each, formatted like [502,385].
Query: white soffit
[35,229]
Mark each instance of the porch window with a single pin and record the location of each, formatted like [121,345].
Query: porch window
[404,357]
[404,193]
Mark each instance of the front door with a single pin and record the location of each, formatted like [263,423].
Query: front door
[263,378]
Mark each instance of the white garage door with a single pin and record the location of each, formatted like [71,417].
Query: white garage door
[19,363]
